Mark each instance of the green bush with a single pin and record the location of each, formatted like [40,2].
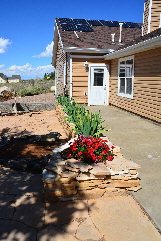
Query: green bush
[43,85]
[87,124]
[30,91]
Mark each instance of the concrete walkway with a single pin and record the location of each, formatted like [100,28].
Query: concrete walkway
[140,141]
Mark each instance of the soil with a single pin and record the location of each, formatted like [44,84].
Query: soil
[28,149]
[37,123]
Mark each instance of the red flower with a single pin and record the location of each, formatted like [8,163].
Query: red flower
[90,149]
[110,158]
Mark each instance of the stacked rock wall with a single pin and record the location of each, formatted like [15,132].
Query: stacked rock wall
[68,127]
[26,107]
[71,179]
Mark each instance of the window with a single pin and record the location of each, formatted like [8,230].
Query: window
[126,76]
[98,77]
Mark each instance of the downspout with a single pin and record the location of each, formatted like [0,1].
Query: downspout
[65,82]
[71,89]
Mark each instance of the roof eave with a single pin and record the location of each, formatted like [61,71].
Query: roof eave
[86,50]
[140,47]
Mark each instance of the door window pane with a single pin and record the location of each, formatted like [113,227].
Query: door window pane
[122,85]
[98,77]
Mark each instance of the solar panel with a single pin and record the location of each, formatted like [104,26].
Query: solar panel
[94,22]
[115,23]
[80,21]
[66,20]
[131,25]
[68,27]
[84,28]
[110,23]
[125,25]
[69,24]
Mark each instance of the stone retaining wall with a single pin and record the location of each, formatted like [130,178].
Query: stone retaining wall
[68,127]
[71,179]
[26,107]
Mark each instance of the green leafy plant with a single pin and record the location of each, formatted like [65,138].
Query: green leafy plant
[90,150]
[30,91]
[87,124]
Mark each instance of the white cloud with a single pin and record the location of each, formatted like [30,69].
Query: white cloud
[27,71]
[1,66]
[4,45]
[47,52]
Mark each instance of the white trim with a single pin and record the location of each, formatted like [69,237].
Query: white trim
[130,96]
[65,74]
[140,47]
[149,17]
[144,19]
[160,21]
[87,56]
[86,50]
[55,46]
[89,81]
[71,77]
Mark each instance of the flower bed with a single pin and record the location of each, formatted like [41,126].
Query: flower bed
[94,166]
[90,150]
[71,179]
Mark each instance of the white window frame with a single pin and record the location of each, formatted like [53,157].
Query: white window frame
[124,94]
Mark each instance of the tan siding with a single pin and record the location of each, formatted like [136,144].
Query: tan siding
[80,78]
[154,11]
[155,15]
[147,86]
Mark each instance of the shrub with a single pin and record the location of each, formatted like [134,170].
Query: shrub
[43,85]
[30,91]
[87,124]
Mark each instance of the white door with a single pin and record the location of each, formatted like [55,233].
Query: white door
[98,85]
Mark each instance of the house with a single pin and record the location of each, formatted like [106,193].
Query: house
[13,79]
[100,62]
[3,78]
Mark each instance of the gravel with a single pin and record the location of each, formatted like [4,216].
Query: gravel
[49,97]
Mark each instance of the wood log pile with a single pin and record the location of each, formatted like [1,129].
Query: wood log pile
[6,95]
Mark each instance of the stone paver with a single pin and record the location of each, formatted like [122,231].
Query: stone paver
[11,230]
[87,230]
[65,212]
[53,234]
[29,210]
[6,209]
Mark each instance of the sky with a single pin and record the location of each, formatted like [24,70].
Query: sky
[27,29]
